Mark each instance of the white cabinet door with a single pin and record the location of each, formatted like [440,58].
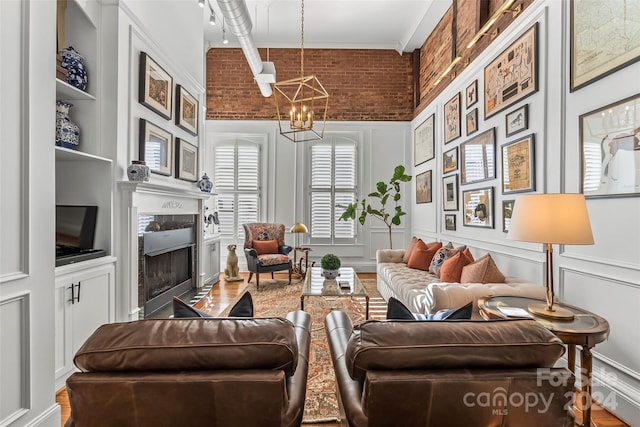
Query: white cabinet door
[84,300]
[92,306]
[210,262]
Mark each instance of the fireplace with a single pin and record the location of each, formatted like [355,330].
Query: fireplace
[166,245]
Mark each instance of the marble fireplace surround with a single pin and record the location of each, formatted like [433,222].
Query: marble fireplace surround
[145,198]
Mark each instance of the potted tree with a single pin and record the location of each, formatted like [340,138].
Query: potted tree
[330,266]
[385,191]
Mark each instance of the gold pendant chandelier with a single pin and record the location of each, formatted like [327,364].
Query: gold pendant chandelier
[301,103]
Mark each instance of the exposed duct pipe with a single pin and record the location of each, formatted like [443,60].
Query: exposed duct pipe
[237,18]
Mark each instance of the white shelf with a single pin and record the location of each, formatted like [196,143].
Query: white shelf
[66,92]
[68,155]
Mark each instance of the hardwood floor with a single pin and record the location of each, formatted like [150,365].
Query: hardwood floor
[222,294]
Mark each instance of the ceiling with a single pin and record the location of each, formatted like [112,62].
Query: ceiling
[402,25]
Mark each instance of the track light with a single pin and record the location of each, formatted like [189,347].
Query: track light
[225,40]
[201,3]
[212,16]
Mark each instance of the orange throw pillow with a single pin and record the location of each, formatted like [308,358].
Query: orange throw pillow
[410,248]
[467,252]
[265,246]
[484,270]
[451,268]
[421,256]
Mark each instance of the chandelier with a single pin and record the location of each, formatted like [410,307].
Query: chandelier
[301,103]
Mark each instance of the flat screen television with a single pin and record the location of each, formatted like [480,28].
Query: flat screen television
[75,226]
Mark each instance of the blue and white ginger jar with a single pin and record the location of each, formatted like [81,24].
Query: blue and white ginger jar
[76,70]
[205,183]
[67,132]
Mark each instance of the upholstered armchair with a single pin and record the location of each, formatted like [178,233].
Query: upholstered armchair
[265,249]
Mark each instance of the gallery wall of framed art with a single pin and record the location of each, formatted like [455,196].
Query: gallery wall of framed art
[560,86]
[169,125]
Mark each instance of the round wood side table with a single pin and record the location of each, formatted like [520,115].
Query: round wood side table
[586,329]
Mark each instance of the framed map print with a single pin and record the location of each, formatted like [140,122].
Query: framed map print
[155,86]
[610,149]
[452,118]
[186,110]
[518,166]
[604,38]
[513,75]
[424,141]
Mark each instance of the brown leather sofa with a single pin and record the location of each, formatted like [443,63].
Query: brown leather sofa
[192,372]
[449,373]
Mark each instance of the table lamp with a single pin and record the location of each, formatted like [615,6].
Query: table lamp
[549,219]
[297,228]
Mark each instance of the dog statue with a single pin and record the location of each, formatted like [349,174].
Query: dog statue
[231,273]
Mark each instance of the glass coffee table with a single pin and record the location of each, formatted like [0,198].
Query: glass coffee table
[346,284]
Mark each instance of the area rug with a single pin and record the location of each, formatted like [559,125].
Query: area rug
[277,298]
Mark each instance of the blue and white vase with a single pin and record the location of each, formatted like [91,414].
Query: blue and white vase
[138,171]
[76,70]
[205,183]
[67,132]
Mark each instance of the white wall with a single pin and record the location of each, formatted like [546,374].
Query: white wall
[27,124]
[132,27]
[382,146]
[602,278]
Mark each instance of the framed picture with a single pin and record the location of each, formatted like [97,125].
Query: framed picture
[450,222]
[472,121]
[155,86]
[450,192]
[186,160]
[478,207]
[450,161]
[477,158]
[613,45]
[186,110]
[518,166]
[452,118]
[610,150]
[424,141]
[513,75]
[471,94]
[517,120]
[423,187]
[507,210]
[156,148]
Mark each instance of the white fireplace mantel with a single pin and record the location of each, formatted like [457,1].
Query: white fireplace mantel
[139,198]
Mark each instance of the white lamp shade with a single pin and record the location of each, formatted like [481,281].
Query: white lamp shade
[551,218]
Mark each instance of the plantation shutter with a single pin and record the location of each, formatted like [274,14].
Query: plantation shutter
[237,182]
[333,186]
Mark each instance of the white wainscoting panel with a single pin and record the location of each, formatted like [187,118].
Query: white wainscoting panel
[16,360]
[616,301]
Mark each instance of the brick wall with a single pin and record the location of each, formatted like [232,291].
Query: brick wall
[363,85]
[436,52]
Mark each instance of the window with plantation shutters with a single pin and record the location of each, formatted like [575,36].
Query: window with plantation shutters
[237,182]
[333,186]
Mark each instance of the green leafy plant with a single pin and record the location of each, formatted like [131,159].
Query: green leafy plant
[330,262]
[390,215]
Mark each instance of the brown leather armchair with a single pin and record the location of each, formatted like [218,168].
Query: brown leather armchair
[192,372]
[449,373]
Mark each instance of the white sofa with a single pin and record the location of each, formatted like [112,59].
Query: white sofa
[422,292]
